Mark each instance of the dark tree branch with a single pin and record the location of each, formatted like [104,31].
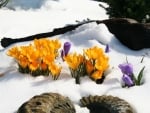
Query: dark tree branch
[128,31]
[5,42]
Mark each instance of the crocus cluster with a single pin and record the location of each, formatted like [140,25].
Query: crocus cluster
[96,63]
[38,58]
[75,62]
[93,63]
[76,65]
[128,77]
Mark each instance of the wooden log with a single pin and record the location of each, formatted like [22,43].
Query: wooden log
[129,32]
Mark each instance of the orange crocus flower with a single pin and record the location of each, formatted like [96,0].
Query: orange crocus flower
[55,70]
[102,63]
[23,61]
[14,52]
[89,67]
[93,53]
[74,60]
[33,65]
[97,75]
[44,66]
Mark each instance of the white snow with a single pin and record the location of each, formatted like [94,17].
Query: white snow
[27,17]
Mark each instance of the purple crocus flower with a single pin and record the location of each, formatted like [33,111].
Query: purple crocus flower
[126,68]
[127,80]
[107,49]
[66,48]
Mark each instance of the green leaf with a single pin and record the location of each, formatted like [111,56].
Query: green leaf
[134,79]
[142,59]
[140,75]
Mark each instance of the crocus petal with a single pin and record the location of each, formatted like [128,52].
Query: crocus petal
[126,68]
[67,47]
[127,80]
[107,49]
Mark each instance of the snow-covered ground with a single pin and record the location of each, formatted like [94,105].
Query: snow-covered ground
[27,17]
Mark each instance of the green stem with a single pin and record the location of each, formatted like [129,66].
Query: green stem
[77,78]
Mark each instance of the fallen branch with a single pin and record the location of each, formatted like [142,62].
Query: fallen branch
[128,31]
[5,42]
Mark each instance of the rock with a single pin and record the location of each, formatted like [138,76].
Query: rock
[106,104]
[47,103]
[129,32]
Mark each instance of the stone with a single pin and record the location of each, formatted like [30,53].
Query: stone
[47,103]
[106,104]
[129,32]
